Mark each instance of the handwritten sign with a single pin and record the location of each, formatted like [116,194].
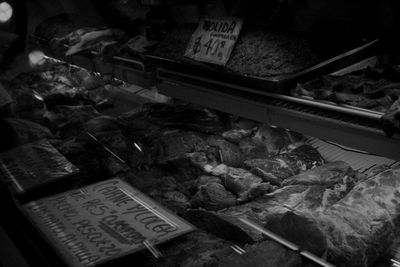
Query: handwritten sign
[29,166]
[214,39]
[103,221]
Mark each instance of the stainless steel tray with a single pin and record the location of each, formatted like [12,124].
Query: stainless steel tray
[277,84]
[347,109]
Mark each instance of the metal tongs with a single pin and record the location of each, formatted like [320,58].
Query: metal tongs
[287,243]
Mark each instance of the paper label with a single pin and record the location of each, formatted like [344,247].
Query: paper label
[214,39]
[103,221]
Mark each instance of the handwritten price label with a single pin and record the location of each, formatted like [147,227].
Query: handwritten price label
[103,221]
[214,39]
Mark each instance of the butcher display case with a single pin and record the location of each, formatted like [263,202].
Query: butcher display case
[119,149]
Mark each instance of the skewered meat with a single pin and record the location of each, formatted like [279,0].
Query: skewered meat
[278,168]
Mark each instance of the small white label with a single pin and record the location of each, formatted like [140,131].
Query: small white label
[214,39]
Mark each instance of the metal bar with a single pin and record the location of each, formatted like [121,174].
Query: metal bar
[153,250]
[345,109]
[287,243]
[271,235]
[131,61]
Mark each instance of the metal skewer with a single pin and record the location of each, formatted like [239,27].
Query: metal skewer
[154,251]
[106,148]
[287,244]
[238,249]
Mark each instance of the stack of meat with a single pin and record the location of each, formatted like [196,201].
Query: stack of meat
[376,88]
[213,169]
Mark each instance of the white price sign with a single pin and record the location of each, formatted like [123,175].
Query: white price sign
[103,221]
[214,39]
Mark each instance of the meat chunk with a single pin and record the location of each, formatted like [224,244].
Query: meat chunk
[227,152]
[235,135]
[213,196]
[278,168]
[361,226]
[69,121]
[301,199]
[326,175]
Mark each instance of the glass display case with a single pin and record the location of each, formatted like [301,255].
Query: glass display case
[120,150]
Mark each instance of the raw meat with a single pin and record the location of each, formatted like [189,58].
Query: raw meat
[226,152]
[326,175]
[213,196]
[235,135]
[276,140]
[362,226]
[244,184]
[278,168]
[88,39]
[301,199]
[68,121]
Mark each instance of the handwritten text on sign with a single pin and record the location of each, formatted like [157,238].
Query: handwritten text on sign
[214,39]
[103,221]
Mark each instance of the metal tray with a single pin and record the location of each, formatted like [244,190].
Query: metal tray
[343,108]
[277,84]
[132,70]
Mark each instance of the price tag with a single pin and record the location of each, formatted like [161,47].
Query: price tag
[91,225]
[214,39]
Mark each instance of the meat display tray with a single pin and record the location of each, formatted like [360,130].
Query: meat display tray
[132,70]
[272,84]
[343,108]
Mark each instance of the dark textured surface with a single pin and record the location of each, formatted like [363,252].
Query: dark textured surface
[259,53]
